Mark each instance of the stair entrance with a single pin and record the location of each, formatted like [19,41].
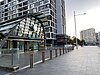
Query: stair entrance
[18,36]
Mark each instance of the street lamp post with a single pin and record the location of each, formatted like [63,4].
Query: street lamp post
[75,27]
[75,30]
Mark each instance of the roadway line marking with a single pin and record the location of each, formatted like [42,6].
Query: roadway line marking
[26,67]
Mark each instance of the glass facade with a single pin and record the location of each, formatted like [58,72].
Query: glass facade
[19,37]
[26,30]
[10,9]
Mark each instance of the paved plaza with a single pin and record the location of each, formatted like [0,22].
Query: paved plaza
[84,61]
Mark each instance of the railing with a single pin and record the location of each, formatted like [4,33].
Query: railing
[9,51]
[11,57]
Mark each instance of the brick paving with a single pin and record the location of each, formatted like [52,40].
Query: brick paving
[84,61]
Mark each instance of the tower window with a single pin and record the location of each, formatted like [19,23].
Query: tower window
[9,0]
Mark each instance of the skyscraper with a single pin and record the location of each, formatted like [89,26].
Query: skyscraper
[53,9]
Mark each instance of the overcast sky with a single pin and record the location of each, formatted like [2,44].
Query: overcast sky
[90,20]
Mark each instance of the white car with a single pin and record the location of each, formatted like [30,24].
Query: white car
[69,47]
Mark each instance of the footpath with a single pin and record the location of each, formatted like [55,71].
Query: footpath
[84,61]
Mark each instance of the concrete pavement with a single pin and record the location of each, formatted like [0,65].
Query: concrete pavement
[84,61]
[23,59]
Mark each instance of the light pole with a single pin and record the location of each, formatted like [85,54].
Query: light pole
[75,27]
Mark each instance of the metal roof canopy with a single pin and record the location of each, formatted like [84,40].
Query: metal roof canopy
[25,39]
[42,19]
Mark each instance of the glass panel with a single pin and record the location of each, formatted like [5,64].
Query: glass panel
[30,34]
[9,57]
[33,35]
[20,32]
[35,27]
[7,27]
[20,45]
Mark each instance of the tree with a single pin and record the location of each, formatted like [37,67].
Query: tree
[78,41]
[69,40]
[83,42]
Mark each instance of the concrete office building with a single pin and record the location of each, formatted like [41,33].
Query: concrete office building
[53,9]
[89,36]
[99,39]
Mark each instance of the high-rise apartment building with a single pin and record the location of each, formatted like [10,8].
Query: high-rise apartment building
[88,35]
[61,19]
[53,9]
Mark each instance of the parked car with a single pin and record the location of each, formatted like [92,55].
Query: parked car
[69,47]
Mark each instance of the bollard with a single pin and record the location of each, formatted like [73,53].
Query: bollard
[50,54]
[43,56]
[66,50]
[60,51]
[31,59]
[12,58]
[56,53]
[63,50]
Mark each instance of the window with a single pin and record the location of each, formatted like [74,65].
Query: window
[1,19]
[51,35]
[46,29]
[14,16]
[25,3]
[25,12]
[25,8]
[20,0]
[40,2]
[2,15]
[34,0]
[20,9]
[6,18]
[54,35]
[32,6]
[6,10]
[10,17]
[41,8]
[55,31]
[49,17]
[34,10]
[50,29]
[14,11]
[9,1]
[45,1]
[19,14]
[6,5]
[48,6]
[2,3]
[14,7]
[48,35]
[36,4]
[6,14]
[19,5]
[44,7]
[52,24]
[52,13]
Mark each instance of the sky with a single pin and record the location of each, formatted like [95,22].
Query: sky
[90,20]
